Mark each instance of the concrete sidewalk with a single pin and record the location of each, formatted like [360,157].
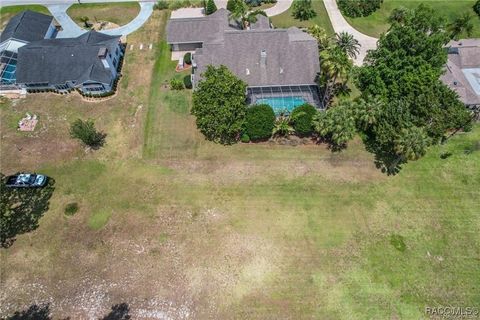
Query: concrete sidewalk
[340,25]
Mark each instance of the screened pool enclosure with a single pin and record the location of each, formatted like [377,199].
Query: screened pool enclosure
[283,99]
[8,65]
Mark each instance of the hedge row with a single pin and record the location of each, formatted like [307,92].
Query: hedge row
[358,8]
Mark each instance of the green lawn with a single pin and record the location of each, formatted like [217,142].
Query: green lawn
[117,12]
[376,23]
[173,224]
[286,19]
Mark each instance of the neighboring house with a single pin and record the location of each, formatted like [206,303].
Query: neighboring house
[280,66]
[462,72]
[23,28]
[89,63]
[32,58]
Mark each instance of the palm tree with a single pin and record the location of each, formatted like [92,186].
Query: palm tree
[252,16]
[348,44]
[323,40]
[367,111]
[282,126]
[460,25]
[411,143]
[239,13]
[334,64]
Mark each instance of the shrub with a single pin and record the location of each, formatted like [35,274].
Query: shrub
[259,122]
[219,105]
[187,82]
[161,5]
[232,4]
[176,84]
[476,8]
[210,8]
[245,138]
[302,9]
[187,58]
[358,8]
[85,131]
[302,119]
[71,209]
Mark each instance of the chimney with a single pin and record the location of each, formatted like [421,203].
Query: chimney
[263,58]
[102,54]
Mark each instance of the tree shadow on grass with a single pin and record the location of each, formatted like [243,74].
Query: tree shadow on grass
[119,312]
[34,312]
[21,209]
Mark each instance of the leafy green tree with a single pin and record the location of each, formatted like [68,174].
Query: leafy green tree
[336,125]
[283,126]
[323,40]
[232,4]
[211,7]
[219,105]
[85,131]
[462,24]
[398,15]
[302,10]
[302,119]
[404,72]
[358,8]
[348,44]
[259,123]
[21,209]
[476,8]
[239,13]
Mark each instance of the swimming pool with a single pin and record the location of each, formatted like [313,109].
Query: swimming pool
[282,104]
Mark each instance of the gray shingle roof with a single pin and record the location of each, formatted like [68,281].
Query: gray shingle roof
[463,54]
[202,29]
[27,26]
[291,56]
[57,61]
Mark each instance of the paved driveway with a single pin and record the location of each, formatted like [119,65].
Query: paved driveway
[280,7]
[58,9]
[340,24]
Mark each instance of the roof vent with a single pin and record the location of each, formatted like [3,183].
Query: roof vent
[281,70]
[247,71]
[263,58]
[455,83]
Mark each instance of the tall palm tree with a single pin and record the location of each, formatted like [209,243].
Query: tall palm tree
[348,44]
[239,13]
[460,25]
[334,64]
[323,40]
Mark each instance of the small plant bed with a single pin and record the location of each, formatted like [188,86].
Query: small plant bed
[182,69]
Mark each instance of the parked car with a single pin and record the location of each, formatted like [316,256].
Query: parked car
[26,180]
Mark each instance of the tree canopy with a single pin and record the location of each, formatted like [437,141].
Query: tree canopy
[411,102]
[219,105]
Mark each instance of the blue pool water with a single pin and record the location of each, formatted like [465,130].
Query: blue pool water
[279,104]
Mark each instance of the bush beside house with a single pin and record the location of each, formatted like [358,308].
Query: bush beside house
[219,105]
[302,119]
[259,122]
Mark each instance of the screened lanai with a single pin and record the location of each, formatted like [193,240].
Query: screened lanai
[8,65]
[283,99]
